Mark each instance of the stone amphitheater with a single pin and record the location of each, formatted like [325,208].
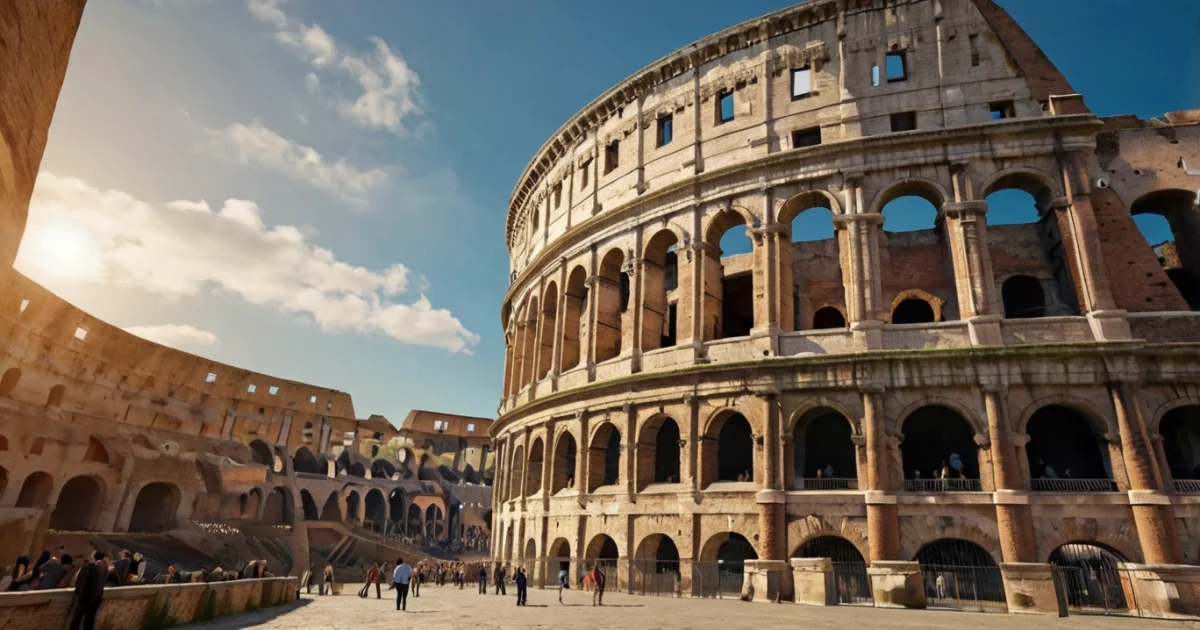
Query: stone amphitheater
[846,409]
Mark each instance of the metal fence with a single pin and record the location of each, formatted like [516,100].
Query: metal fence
[852,583]
[942,485]
[1187,486]
[660,578]
[1073,485]
[1095,590]
[971,588]
[717,579]
[826,483]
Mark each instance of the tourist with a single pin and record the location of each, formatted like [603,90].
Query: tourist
[262,570]
[418,579]
[120,569]
[400,579]
[483,579]
[598,579]
[327,580]
[218,575]
[21,575]
[136,567]
[52,573]
[940,586]
[36,572]
[89,592]
[72,573]
[379,579]
[498,574]
[372,575]
[563,582]
[251,570]
[828,471]
[522,582]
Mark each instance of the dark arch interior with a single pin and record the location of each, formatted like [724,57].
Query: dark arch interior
[607,550]
[953,552]
[735,450]
[77,504]
[35,491]
[828,317]
[261,453]
[1180,429]
[304,461]
[382,469]
[358,470]
[309,506]
[413,526]
[154,510]
[331,511]
[278,511]
[9,381]
[736,550]
[1187,283]
[912,311]
[666,453]
[1062,444]
[564,462]
[1091,575]
[376,508]
[396,506]
[827,447]
[1023,297]
[933,435]
[352,507]
[835,548]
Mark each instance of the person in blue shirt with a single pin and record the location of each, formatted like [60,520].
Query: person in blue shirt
[522,582]
[400,580]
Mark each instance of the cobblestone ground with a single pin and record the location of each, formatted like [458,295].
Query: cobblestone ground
[448,607]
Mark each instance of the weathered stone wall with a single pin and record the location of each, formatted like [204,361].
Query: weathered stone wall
[136,607]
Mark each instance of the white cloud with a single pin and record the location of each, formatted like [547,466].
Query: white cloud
[389,90]
[312,82]
[175,335]
[257,145]
[180,248]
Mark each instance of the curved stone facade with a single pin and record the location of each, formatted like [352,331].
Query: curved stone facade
[657,389]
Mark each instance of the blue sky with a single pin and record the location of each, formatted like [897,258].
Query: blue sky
[385,137]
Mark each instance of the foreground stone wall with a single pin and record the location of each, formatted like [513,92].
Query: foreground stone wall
[134,607]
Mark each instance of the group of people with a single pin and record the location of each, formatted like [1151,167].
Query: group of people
[474,538]
[88,576]
[953,468]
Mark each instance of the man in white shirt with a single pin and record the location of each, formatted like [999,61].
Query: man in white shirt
[400,579]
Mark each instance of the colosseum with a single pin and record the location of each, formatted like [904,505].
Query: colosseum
[109,441]
[893,392]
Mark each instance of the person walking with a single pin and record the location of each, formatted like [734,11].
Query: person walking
[598,579]
[401,578]
[563,582]
[89,592]
[327,581]
[483,579]
[522,583]
[372,574]
[418,579]
[379,578]
[498,574]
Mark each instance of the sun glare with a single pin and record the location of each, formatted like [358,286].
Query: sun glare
[63,251]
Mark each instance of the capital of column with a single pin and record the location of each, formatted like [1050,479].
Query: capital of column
[1148,497]
[840,220]
[769,496]
[871,388]
[993,387]
[1059,203]
[879,497]
[854,177]
[965,210]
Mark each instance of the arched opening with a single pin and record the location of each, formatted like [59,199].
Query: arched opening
[309,506]
[261,453]
[516,476]
[382,469]
[720,573]
[331,511]
[1090,574]
[3,480]
[278,510]
[413,527]
[560,555]
[731,457]
[728,307]
[604,457]
[656,565]
[573,322]
[811,264]
[376,514]
[602,553]
[660,278]
[960,574]
[96,452]
[305,462]
[1023,297]
[913,311]
[548,326]
[8,383]
[913,210]
[155,508]
[1066,453]
[527,339]
[432,515]
[914,239]
[396,509]
[530,551]
[35,491]
[1180,429]
[828,317]
[850,578]
[56,396]
[563,476]
[78,502]
[823,451]
[533,468]
[666,453]
[357,469]
[1174,238]
[352,501]
[248,503]
[835,548]
[939,451]
[612,295]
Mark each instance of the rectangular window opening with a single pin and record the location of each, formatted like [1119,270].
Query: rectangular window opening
[801,82]
[470,427]
[312,399]
[252,388]
[973,42]
[725,111]
[897,67]
[24,305]
[211,378]
[806,137]
[612,156]
[665,130]
[80,333]
[585,171]
[557,194]
[1002,110]
[904,121]
[329,405]
[272,390]
[874,76]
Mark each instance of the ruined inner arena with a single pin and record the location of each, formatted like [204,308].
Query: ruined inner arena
[889,391]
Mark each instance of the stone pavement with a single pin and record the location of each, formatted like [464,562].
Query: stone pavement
[448,607]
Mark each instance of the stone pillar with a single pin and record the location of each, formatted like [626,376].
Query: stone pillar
[1029,587]
[637,301]
[1152,510]
[689,473]
[770,497]
[582,455]
[812,582]
[1013,518]
[689,258]
[762,580]
[858,245]
[592,299]
[966,228]
[883,523]
[896,584]
[548,466]
[629,454]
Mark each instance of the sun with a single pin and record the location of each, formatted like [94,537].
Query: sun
[62,250]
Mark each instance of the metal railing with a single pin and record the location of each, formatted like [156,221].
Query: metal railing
[1187,486]
[942,485]
[1073,485]
[972,588]
[717,579]
[655,577]
[826,483]
[852,583]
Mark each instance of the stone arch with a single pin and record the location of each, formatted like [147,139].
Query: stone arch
[309,506]
[926,189]
[78,504]
[575,296]
[954,552]
[1093,574]
[1090,412]
[8,383]
[352,501]
[1022,297]
[96,452]
[548,326]
[656,554]
[604,457]
[724,220]
[332,510]
[55,398]
[1179,208]
[1041,186]
[806,200]
[530,550]
[357,469]
[728,546]
[412,525]
[1063,443]
[658,451]
[560,548]
[727,309]
[533,467]
[155,508]
[528,341]
[829,433]
[278,510]
[602,547]
[908,298]
[829,316]
[382,469]
[35,491]
[660,276]
[833,546]
[396,507]
[727,450]
[933,434]
[376,509]
[305,462]
[248,504]
[261,453]
[566,452]
[612,300]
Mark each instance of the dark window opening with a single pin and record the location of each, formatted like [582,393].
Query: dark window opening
[666,453]
[1180,429]
[612,156]
[584,171]
[1023,298]
[737,305]
[1002,110]
[668,336]
[806,137]
[828,317]
[904,121]
[913,311]
[557,194]
[665,130]
[801,82]
[1063,445]
[725,111]
[625,291]
[612,459]
[828,449]
[897,67]
[937,438]
[973,42]
[735,450]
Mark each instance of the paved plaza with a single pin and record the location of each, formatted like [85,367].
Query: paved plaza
[447,607]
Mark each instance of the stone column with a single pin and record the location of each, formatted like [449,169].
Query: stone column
[858,244]
[629,454]
[581,459]
[592,315]
[770,497]
[1152,510]
[548,465]
[688,470]
[966,228]
[883,523]
[1013,519]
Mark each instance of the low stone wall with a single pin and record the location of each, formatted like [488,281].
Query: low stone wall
[151,606]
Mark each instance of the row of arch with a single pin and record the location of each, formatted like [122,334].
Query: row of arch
[936,442]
